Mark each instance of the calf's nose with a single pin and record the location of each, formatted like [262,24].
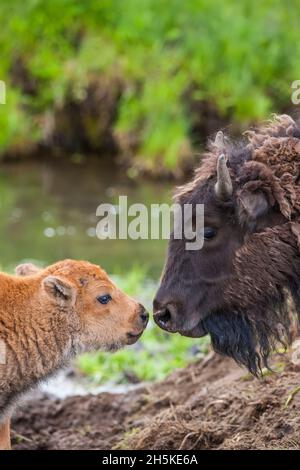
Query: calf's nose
[143,316]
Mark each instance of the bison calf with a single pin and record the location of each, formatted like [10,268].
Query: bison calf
[49,316]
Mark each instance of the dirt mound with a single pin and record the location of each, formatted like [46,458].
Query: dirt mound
[210,405]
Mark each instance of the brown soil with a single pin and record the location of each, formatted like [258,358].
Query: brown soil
[210,405]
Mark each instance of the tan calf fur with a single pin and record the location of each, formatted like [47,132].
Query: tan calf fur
[48,316]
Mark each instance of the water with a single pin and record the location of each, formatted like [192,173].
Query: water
[48,212]
[64,384]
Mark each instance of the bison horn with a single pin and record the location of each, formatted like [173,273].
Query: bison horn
[223,187]
[220,140]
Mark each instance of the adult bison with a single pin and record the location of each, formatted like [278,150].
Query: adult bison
[235,288]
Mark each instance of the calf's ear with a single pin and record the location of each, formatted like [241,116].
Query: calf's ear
[26,269]
[61,289]
[252,205]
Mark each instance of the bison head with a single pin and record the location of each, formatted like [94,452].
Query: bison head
[235,287]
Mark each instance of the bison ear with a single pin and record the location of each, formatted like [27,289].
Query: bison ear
[252,205]
[60,289]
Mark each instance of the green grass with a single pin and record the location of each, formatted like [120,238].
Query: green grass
[241,57]
[154,356]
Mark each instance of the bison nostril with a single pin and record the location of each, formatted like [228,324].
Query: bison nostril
[166,317]
[163,317]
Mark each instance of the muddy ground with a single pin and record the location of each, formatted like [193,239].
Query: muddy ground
[213,404]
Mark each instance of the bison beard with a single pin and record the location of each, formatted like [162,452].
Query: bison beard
[249,339]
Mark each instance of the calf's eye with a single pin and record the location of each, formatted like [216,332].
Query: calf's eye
[209,233]
[104,299]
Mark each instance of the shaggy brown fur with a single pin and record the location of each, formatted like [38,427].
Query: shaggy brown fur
[52,314]
[235,287]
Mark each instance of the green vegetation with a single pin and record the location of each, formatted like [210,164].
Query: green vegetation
[154,356]
[240,57]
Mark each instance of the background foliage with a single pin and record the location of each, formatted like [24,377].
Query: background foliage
[173,57]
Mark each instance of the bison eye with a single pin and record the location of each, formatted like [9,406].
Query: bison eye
[209,233]
[104,299]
